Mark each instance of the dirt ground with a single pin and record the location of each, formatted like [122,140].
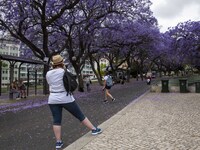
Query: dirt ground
[27,125]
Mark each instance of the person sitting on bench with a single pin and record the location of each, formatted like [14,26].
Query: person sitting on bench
[22,89]
[14,89]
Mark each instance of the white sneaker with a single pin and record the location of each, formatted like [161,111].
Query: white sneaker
[113,99]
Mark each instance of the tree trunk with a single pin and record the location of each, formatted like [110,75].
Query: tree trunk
[81,83]
[46,86]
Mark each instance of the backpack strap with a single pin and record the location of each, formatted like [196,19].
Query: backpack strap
[69,83]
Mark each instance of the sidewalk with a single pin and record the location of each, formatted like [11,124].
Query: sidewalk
[156,121]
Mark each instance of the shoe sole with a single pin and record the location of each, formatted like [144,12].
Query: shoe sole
[96,133]
[59,147]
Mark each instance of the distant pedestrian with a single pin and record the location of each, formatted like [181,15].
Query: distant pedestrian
[108,83]
[122,79]
[22,89]
[59,99]
[88,82]
[148,78]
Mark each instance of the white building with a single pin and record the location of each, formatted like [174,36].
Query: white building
[87,69]
[8,47]
[12,48]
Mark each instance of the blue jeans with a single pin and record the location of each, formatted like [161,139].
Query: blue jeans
[73,108]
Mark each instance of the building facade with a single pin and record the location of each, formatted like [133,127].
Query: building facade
[9,47]
[12,48]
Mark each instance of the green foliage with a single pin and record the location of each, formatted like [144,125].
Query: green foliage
[102,68]
[4,65]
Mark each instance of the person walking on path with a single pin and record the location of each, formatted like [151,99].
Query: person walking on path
[88,82]
[59,99]
[148,78]
[108,83]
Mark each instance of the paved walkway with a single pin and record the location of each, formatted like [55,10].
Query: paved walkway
[155,121]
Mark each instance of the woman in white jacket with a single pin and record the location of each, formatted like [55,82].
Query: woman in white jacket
[59,99]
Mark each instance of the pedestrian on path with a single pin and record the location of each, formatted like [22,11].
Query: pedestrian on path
[59,99]
[88,82]
[108,83]
[148,78]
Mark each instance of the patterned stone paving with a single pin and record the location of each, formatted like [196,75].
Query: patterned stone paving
[155,121]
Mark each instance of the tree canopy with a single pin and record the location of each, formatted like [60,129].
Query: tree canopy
[119,30]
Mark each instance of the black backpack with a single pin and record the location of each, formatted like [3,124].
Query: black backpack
[69,81]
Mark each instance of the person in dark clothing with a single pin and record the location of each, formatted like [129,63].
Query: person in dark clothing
[22,89]
[88,82]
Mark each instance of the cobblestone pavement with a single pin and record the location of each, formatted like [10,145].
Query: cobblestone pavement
[154,121]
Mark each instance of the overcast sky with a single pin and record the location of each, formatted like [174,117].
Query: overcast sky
[170,12]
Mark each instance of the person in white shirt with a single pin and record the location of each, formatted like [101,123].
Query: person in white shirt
[59,99]
[107,86]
